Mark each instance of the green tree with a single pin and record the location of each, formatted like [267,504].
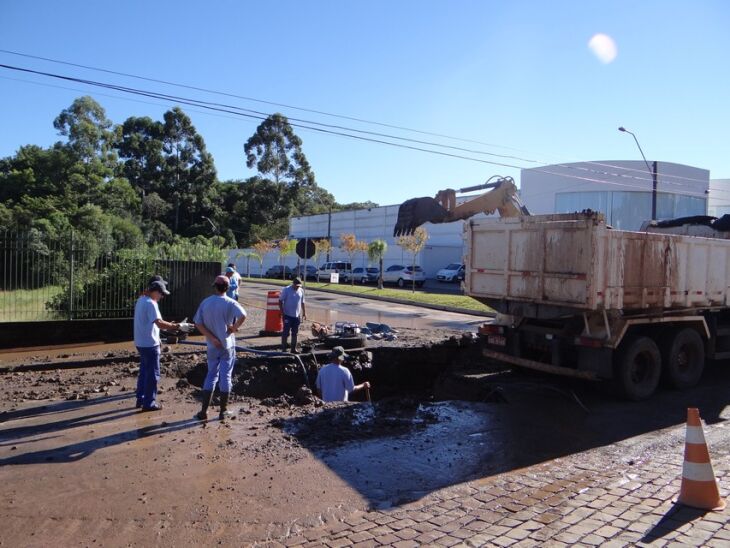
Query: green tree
[376,252]
[140,148]
[189,172]
[276,151]
[286,247]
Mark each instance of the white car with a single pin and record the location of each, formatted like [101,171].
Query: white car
[403,275]
[452,273]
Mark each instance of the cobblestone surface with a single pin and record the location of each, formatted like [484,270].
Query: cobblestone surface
[588,499]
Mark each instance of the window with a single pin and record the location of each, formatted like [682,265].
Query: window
[628,210]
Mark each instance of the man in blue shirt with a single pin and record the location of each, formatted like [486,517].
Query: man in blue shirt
[291,304]
[218,318]
[334,380]
[233,278]
[147,324]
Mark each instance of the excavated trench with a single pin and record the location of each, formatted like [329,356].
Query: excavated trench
[453,369]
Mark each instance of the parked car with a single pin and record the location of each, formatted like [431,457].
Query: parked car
[402,275]
[452,273]
[275,271]
[310,275]
[362,275]
[328,268]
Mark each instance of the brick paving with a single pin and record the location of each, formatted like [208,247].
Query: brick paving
[589,499]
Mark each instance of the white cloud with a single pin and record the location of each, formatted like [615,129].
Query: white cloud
[603,47]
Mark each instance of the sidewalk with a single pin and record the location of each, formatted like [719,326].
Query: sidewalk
[590,499]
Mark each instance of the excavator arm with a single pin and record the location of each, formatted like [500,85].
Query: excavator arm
[502,197]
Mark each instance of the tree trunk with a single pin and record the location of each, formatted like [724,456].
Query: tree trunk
[380,274]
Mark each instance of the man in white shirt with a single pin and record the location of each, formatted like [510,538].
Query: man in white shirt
[147,324]
[291,304]
[218,318]
[334,380]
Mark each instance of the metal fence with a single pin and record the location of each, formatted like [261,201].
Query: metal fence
[70,278]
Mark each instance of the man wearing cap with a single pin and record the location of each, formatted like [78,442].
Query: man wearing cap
[218,318]
[334,380]
[233,278]
[291,304]
[147,324]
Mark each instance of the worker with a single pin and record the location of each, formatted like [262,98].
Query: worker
[291,304]
[218,318]
[334,380]
[147,324]
[233,278]
[236,276]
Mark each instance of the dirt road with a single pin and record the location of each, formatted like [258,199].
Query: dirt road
[80,466]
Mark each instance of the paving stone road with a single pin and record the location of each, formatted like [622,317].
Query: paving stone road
[586,499]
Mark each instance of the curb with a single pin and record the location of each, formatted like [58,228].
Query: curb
[391,300]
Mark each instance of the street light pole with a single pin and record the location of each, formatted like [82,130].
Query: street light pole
[652,171]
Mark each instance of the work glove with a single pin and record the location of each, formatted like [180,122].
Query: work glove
[186,327]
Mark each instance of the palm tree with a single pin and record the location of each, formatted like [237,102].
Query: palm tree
[376,251]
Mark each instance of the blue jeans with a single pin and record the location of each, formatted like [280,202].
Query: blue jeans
[291,324]
[149,375]
[220,365]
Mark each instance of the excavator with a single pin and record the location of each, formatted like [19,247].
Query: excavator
[501,197]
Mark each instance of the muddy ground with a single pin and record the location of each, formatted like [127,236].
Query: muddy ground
[79,464]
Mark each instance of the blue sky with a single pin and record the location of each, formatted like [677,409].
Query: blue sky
[517,76]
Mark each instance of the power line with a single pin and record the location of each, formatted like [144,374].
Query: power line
[248,113]
[358,119]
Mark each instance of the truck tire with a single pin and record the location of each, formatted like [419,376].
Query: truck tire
[345,341]
[637,368]
[684,358]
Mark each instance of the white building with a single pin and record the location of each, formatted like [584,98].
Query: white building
[719,203]
[620,189]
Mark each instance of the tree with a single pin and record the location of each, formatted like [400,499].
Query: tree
[413,244]
[376,252]
[322,247]
[188,172]
[262,248]
[248,255]
[286,247]
[276,151]
[140,148]
[89,131]
[351,245]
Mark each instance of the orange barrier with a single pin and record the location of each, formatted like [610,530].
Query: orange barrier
[699,486]
[274,323]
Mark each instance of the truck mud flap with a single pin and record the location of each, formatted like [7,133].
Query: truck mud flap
[539,366]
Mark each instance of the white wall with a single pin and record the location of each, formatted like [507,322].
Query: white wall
[538,186]
[719,202]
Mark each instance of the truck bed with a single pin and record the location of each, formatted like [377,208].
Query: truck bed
[547,264]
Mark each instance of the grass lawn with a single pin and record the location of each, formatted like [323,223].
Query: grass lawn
[419,297]
[27,304]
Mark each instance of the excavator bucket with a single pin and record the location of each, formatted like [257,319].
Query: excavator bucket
[417,211]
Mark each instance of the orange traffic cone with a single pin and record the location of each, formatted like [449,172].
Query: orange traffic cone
[699,486]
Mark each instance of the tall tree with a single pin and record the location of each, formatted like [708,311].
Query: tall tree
[140,148]
[189,172]
[276,151]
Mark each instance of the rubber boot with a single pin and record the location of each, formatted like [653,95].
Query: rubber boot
[207,399]
[293,344]
[224,406]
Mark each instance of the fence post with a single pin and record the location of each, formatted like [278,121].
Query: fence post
[71,279]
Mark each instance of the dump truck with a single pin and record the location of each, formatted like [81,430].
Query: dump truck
[575,297]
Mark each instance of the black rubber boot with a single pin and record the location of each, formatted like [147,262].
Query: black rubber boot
[293,344]
[224,406]
[207,399]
